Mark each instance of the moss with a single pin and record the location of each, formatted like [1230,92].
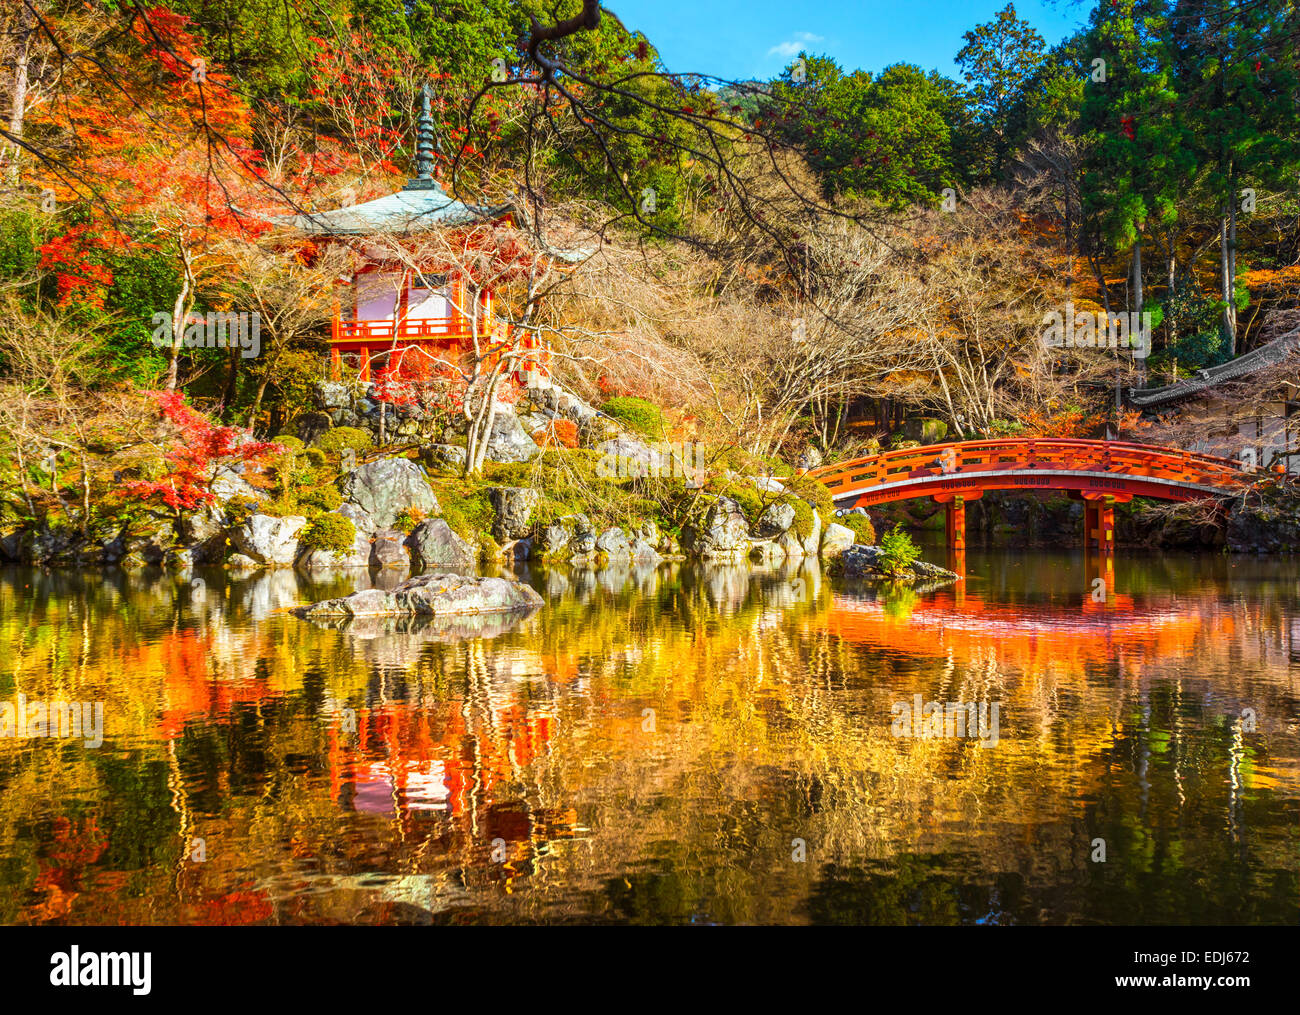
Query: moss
[324,498]
[636,414]
[802,526]
[329,532]
[315,458]
[335,441]
[813,492]
[860,525]
[289,442]
[489,548]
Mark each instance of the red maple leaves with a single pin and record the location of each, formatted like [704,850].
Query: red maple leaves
[198,449]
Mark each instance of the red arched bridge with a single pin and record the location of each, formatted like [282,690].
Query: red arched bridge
[1100,473]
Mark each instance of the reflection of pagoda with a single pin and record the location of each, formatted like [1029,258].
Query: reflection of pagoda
[389,305]
[398,769]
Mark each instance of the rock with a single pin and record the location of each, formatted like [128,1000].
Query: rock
[925,431]
[389,550]
[796,548]
[555,537]
[508,442]
[835,541]
[434,544]
[814,541]
[312,426]
[238,562]
[810,459]
[865,561]
[360,519]
[644,551]
[388,486]
[332,395]
[520,549]
[725,533]
[514,507]
[775,519]
[626,456]
[767,484]
[202,524]
[577,523]
[614,544]
[355,556]
[648,532]
[270,541]
[448,457]
[228,485]
[432,595]
[768,552]
[582,547]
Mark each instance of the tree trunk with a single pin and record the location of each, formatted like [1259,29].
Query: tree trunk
[18,111]
[1232,272]
[180,311]
[1225,283]
[1137,274]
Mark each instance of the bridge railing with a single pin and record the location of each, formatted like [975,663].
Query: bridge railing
[1027,454]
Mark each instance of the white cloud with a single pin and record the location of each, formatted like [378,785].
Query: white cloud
[791,47]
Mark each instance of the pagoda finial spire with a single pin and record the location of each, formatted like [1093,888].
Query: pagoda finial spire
[425,146]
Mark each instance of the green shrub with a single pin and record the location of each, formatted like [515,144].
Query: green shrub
[289,442]
[815,493]
[329,532]
[636,414]
[898,552]
[326,498]
[315,457]
[863,531]
[334,442]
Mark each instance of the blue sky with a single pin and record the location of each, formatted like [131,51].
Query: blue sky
[744,39]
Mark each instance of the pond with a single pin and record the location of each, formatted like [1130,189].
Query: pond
[662,745]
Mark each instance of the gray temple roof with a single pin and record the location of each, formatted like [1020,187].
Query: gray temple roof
[419,206]
[1267,355]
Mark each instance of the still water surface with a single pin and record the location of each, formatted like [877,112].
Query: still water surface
[670,745]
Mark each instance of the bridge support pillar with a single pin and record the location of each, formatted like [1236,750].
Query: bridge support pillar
[1099,524]
[955,526]
[955,518]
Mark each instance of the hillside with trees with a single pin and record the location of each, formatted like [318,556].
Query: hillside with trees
[783,271]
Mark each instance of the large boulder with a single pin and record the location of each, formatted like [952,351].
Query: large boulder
[554,537]
[388,549]
[777,518]
[312,426]
[508,441]
[614,544]
[388,486]
[359,517]
[270,541]
[626,456]
[432,595]
[447,457]
[355,556]
[644,552]
[724,534]
[434,545]
[514,507]
[835,541]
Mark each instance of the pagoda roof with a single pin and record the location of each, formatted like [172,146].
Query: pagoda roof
[420,206]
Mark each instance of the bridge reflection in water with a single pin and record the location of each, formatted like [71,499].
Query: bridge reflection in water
[1099,473]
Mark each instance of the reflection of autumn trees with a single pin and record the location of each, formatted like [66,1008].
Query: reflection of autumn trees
[229,722]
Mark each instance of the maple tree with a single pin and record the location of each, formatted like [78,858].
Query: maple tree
[196,451]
